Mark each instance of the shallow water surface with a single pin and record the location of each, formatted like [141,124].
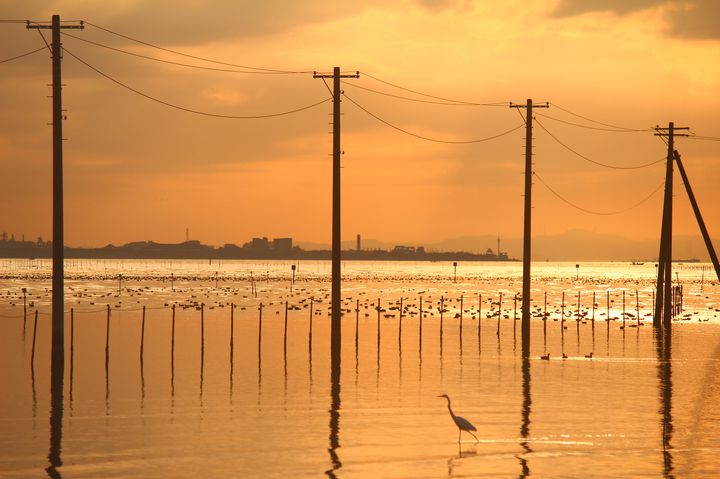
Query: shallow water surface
[263,402]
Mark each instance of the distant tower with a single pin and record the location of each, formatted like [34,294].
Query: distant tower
[187,234]
[498,250]
[358,242]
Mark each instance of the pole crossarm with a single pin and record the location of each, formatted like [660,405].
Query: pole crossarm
[332,75]
[534,105]
[48,26]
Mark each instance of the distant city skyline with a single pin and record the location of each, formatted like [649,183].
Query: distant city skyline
[570,245]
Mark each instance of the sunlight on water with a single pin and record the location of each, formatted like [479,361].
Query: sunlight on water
[203,403]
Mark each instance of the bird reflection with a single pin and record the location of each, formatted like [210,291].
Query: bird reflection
[460,455]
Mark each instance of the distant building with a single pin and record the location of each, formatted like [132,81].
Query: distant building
[282,245]
[258,244]
[403,249]
[358,243]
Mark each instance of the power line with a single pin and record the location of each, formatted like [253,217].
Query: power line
[459,102]
[458,142]
[598,122]
[170,62]
[21,56]
[705,138]
[189,110]
[175,52]
[617,130]
[605,165]
[599,213]
[431,102]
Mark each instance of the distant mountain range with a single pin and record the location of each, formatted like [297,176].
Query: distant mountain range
[573,245]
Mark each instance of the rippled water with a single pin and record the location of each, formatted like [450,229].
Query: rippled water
[190,408]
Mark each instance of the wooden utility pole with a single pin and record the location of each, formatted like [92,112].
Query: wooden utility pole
[335,294]
[57,364]
[663,302]
[527,229]
[698,216]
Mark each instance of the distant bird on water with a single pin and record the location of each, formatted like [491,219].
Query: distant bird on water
[462,423]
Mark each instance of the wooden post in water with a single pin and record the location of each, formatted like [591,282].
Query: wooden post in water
[32,355]
[357,322]
[378,324]
[400,322]
[232,333]
[499,313]
[607,301]
[637,307]
[515,316]
[142,336]
[479,317]
[578,308]
[461,320]
[24,292]
[442,309]
[593,310]
[202,333]
[107,339]
[311,321]
[172,341]
[421,321]
[623,313]
[562,309]
[72,349]
[260,330]
[285,330]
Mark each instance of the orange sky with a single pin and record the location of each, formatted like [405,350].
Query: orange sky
[137,170]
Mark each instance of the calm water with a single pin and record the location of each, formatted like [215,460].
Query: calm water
[637,408]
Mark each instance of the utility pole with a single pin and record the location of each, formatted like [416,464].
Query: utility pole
[663,301]
[527,230]
[58,331]
[698,216]
[335,294]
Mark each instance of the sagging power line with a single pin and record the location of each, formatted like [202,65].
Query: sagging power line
[195,57]
[593,212]
[598,163]
[191,110]
[422,137]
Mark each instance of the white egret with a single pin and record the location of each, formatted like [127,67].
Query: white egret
[462,423]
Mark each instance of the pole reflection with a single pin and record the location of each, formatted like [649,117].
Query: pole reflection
[334,437]
[57,367]
[664,352]
[526,406]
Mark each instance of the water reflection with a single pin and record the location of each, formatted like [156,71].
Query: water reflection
[664,352]
[460,455]
[57,374]
[334,438]
[525,422]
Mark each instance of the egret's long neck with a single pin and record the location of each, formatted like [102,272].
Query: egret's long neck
[449,408]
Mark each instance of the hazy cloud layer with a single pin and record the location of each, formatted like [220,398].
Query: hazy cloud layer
[696,19]
[189,22]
